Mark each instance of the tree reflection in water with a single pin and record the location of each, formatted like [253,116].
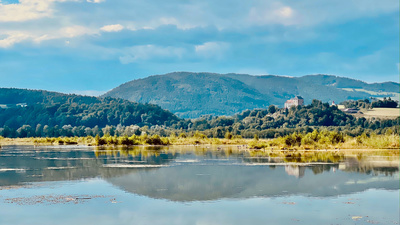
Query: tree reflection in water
[191,173]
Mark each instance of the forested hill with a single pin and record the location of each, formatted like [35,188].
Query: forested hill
[268,123]
[32,107]
[191,95]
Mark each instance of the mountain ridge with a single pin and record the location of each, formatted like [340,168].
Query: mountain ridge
[192,94]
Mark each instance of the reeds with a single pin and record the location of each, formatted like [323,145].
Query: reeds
[301,141]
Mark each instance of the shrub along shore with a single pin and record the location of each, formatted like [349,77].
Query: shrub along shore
[296,141]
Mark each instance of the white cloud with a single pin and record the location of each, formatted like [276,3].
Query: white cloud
[95,1]
[140,14]
[150,52]
[74,31]
[285,12]
[12,38]
[212,49]
[112,28]
[41,38]
[153,24]
[25,10]
[273,14]
[173,21]
[17,36]
[314,12]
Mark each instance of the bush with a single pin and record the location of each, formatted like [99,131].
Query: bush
[228,135]
[99,141]
[257,144]
[256,137]
[125,141]
[156,140]
[293,139]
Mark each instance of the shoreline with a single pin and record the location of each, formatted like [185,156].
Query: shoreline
[243,145]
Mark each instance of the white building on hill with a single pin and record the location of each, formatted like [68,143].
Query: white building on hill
[298,100]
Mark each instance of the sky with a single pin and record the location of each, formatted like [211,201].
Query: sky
[91,46]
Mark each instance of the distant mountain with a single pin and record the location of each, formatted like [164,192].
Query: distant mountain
[20,107]
[190,95]
[344,82]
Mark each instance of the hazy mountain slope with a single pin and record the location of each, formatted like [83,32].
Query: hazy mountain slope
[192,94]
[280,88]
[344,82]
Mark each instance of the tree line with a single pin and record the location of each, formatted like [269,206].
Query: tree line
[265,123]
[367,104]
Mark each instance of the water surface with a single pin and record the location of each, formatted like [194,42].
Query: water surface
[194,185]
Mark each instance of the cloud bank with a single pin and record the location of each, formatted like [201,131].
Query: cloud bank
[131,39]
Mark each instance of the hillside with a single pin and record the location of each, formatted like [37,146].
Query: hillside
[280,88]
[57,109]
[190,95]
[344,82]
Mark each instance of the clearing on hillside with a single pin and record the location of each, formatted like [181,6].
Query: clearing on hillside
[386,113]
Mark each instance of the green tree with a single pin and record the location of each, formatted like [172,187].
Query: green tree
[272,109]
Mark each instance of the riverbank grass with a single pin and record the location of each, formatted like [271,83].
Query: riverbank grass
[296,141]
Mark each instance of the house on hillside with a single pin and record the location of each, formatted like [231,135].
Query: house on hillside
[350,110]
[23,105]
[6,106]
[298,100]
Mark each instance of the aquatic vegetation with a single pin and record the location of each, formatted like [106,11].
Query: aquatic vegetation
[58,140]
[314,140]
[329,140]
[374,141]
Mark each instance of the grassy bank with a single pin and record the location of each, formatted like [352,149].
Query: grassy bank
[329,140]
[296,141]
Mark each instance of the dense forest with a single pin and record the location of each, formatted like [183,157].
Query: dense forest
[26,113]
[273,122]
[385,103]
[40,108]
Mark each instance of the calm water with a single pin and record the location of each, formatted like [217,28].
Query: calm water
[193,185]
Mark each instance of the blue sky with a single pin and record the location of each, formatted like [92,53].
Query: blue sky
[91,46]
